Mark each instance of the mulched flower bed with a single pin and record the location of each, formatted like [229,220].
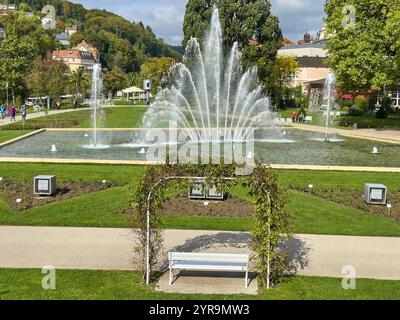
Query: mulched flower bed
[12,190]
[181,205]
[231,207]
[355,199]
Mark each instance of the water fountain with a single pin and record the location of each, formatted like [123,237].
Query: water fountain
[53,148]
[210,96]
[97,87]
[330,85]
[212,99]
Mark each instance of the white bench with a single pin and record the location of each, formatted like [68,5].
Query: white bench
[208,261]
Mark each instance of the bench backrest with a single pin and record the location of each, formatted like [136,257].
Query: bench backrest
[208,257]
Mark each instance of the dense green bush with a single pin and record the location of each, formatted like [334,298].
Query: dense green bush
[382,113]
[355,112]
[123,103]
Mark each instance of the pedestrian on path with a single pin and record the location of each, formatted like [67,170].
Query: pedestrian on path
[13,113]
[23,113]
[2,111]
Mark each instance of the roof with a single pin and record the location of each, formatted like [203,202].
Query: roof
[288,42]
[311,62]
[65,54]
[317,45]
[133,90]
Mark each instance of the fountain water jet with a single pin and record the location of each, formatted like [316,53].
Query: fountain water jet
[330,85]
[209,95]
[97,86]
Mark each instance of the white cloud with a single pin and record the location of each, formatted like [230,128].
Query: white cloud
[165,17]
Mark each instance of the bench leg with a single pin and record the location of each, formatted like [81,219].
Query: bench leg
[170,276]
[247,279]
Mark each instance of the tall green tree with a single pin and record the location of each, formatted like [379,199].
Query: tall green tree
[362,49]
[114,81]
[282,75]
[155,70]
[241,21]
[48,78]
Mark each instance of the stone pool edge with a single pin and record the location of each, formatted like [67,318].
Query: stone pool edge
[25,136]
[148,163]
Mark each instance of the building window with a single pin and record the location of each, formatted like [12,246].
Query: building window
[396,99]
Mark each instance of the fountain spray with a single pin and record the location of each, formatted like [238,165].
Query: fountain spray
[329,87]
[97,85]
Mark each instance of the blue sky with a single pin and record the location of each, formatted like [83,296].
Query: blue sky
[165,17]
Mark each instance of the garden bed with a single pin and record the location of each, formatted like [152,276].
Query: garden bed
[231,207]
[354,198]
[10,191]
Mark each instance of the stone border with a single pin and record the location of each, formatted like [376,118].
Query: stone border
[25,136]
[343,133]
[149,163]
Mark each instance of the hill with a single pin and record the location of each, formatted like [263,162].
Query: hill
[121,43]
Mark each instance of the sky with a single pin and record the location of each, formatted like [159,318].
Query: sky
[165,17]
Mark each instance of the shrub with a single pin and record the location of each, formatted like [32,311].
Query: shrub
[382,113]
[123,103]
[354,112]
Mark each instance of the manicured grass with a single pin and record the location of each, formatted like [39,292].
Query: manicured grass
[392,122]
[317,216]
[338,179]
[125,285]
[6,135]
[118,117]
[105,209]
[129,173]
[74,172]
[99,209]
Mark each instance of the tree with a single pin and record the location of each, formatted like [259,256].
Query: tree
[79,81]
[155,69]
[114,81]
[16,57]
[392,37]
[48,78]
[25,40]
[282,75]
[361,48]
[241,22]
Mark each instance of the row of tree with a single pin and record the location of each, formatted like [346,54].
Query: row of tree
[127,54]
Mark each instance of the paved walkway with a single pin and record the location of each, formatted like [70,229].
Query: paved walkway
[112,249]
[38,114]
[384,135]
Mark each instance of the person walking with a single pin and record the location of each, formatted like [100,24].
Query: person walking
[2,111]
[23,113]
[13,113]
[10,111]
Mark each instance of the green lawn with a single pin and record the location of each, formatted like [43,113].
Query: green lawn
[105,209]
[346,121]
[118,117]
[6,135]
[126,285]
